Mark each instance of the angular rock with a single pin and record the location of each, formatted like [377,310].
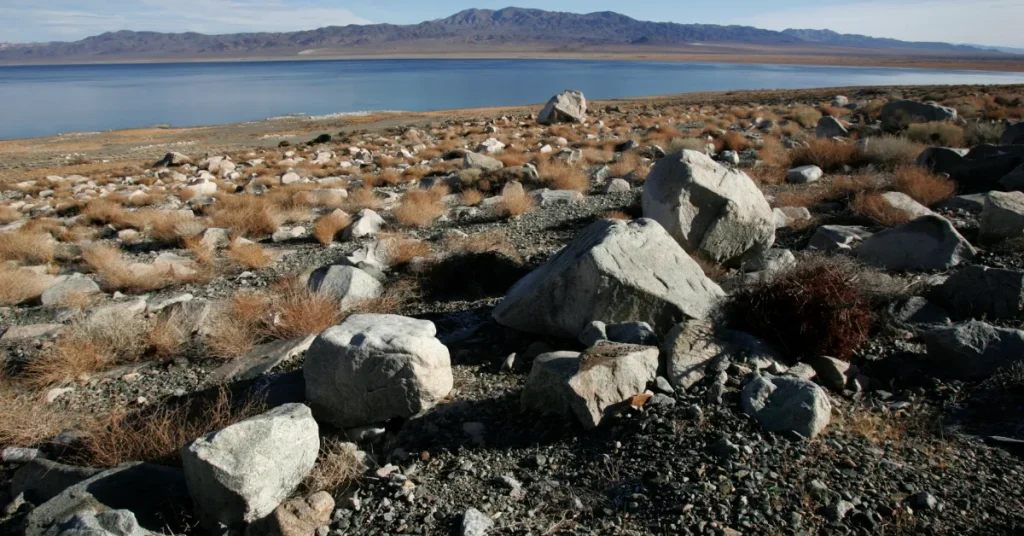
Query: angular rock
[41,480]
[804,174]
[261,360]
[173,159]
[490,146]
[285,234]
[900,112]
[373,368]
[1013,135]
[917,314]
[346,284]
[475,523]
[242,473]
[836,238]
[296,517]
[31,332]
[1002,216]
[546,389]
[479,161]
[925,244]
[788,216]
[613,271]
[973,350]
[550,198]
[942,159]
[367,224]
[967,203]
[787,404]
[593,333]
[566,107]
[833,373]
[904,204]
[640,333]
[693,345]
[983,292]
[69,289]
[830,127]
[109,523]
[617,186]
[708,208]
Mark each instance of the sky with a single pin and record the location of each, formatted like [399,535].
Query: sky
[986,22]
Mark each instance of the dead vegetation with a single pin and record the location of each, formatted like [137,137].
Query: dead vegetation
[420,207]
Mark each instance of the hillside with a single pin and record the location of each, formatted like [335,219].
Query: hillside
[473,30]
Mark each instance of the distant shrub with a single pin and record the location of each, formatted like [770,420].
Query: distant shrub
[940,134]
[733,141]
[811,310]
[923,185]
[420,207]
[890,152]
[688,144]
[827,154]
[805,115]
[979,132]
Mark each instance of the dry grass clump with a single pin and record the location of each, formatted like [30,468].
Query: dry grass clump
[514,203]
[204,253]
[628,163]
[166,226]
[27,247]
[832,189]
[166,336]
[158,434]
[250,255]
[102,212]
[246,215]
[88,347]
[8,215]
[827,154]
[812,310]
[979,132]
[28,420]
[512,158]
[337,467]
[20,285]
[733,141]
[617,215]
[873,206]
[922,185]
[360,198]
[472,197]
[890,152]
[327,228]
[298,312]
[420,207]
[488,241]
[805,115]
[235,324]
[941,134]
[115,273]
[400,250]
[562,176]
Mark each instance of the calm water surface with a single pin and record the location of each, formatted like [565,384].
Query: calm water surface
[47,100]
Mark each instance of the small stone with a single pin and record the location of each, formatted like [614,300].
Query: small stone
[924,501]
[475,523]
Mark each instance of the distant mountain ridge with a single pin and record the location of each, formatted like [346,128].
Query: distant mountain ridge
[466,30]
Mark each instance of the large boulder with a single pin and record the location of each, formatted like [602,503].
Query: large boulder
[373,368]
[346,284]
[984,292]
[903,112]
[708,208]
[691,346]
[604,377]
[927,243]
[787,404]
[614,271]
[989,167]
[242,473]
[942,159]
[902,203]
[973,350]
[1013,135]
[109,523]
[1002,216]
[566,107]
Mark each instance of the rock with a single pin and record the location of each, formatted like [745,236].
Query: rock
[640,333]
[786,404]
[804,174]
[925,244]
[973,350]
[989,167]
[983,292]
[916,313]
[490,146]
[242,473]
[366,224]
[724,449]
[109,523]
[31,332]
[479,161]
[729,157]
[173,159]
[904,204]
[164,500]
[290,178]
[840,101]
[261,360]
[830,127]
[587,386]
[285,234]
[968,203]
[67,290]
[923,501]
[566,107]
[475,523]
[787,216]
[693,345]
[1013,135]
[296,517]
[942,159]
[707,208]
[836,238]
[117,313]
[902,112]
[373,368]
[1002,216]
[613,271]
[772,261]
[348,285]
[40,479]
[17,455]
[550,198]
[617,186]
[593,333]
[833,373]
[837,512]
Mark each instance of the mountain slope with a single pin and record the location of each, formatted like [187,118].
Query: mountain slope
[473,29]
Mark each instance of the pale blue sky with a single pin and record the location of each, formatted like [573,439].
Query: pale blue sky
[989,22]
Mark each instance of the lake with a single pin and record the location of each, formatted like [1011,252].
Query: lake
[47,100]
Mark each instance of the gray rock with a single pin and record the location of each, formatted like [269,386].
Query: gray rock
[546,390]
[551,198]
[593,333]
[904,204]
[898,112]
[261,360]
[613,271]
[118,489]
[693,345]
[923,501]
[373,368]
[927,243]
[173,159]
[729,157]
[296,517]
[973,350]
[709,208]
[837,512]
[242,473]
[917,313]
[787,404]
[566,107]
[64,290]
[787,216]
[617,186]
[1002,216]
[41,480]
[31,332]
[632,333]
[837,238]
[773,261]
[475,523]
[942,159]
[1013,135]
[968,203]
[830,127]
[109,523]
[983,292]
[833,373]
[480,161]
[804,174]
[610,375]
[117,313]
[366,224]
[284,234]
[347,284]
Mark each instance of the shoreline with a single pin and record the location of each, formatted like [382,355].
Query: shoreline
[810,60]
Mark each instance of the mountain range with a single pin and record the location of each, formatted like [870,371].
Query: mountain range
[474,30]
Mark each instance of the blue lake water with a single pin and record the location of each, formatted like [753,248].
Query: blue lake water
[47,100]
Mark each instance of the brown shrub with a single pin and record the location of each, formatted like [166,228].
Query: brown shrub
[617,215]
[805,115]
[923,185]
[250,255]
[827,154]
[562,176]
[512,158]
[811,310]
[515,203]
[337,467]
[235,324]
[27,247]
[88,347]
[628,163]
[834,189]
[8,215]
[115,273]
[327,228]
[873,206]
[472,197]
[941,134]
[166,336]
[733,141]
[400,250]
[203,252]
[298,312]
[28,420]
[420,207]
[102,212]
[979,132]
[360,198]
[488,241]
[246,215]
[20,285]
[890,152]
